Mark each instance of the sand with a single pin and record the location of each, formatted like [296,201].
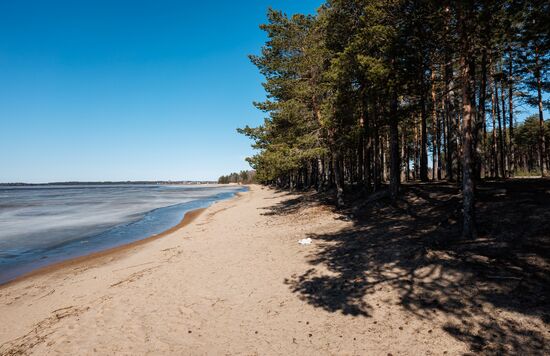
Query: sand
[222,284]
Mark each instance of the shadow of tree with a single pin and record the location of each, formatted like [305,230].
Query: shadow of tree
[413,247]
[297,201]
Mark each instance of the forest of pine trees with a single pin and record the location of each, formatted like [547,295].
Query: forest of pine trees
[370,93]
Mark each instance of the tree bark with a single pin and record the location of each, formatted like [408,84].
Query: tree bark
[500,136]
[468,183]
[542,140]
[336,165]
[360,158]
[402,148]
[416,152]
[376,153]
[407,159]
[395,171]
[382,155]
[494,103]
[438,143]
[450,151]
[368,160]
[435,157]
[480,122]
[423,134]
[511,145]
[320,174]
[505,137]
[444,123]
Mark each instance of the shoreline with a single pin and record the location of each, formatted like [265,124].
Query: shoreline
[95,257]
[187,218]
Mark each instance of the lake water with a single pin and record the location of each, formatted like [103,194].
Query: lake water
[41,225]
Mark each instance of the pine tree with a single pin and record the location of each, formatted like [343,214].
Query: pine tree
[361,92]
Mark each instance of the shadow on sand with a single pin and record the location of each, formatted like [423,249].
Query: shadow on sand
[413,246]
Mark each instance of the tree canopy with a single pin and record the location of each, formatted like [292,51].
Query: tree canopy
[365,93]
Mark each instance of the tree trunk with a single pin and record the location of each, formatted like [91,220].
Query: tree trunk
[382,155]
[511,115]
[395,171]
[423,135]
[450,151]
[336,166]
[542,140]
[444,123]
[500,138]
[457,160]
[386,155]
[416,152]
[494,104]
[376,156]
[468,183]
[360,158]
[368,155]
[403,154]
[505,137]
[438,143]
[480,122]
[435,157]
[320,174]
[407,159]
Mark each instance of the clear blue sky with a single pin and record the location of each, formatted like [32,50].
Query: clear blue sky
[127,90]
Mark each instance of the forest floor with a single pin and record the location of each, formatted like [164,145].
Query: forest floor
[495,289]
[377,279]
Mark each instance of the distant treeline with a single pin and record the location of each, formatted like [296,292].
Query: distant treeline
[243,177]
[527,139]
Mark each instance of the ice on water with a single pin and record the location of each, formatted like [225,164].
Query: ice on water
[37,220]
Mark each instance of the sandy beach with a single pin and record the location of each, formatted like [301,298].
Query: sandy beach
[229,282]
[274,177]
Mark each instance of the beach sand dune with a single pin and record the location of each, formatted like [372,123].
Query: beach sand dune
[223,284]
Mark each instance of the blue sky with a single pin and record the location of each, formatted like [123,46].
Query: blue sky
[96,90]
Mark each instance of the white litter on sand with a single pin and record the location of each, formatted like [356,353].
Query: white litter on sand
[307,241]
